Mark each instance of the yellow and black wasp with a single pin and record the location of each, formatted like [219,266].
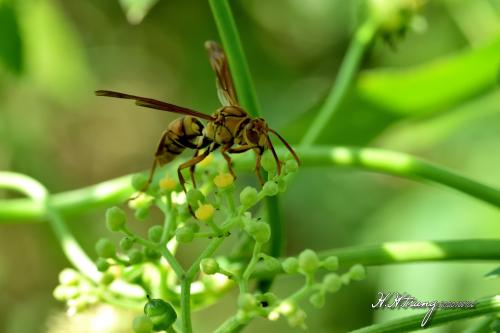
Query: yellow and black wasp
[230,128]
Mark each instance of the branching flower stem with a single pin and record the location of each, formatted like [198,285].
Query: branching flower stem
[369,159]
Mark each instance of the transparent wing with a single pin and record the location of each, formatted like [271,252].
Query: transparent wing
[218,61]
[155,104]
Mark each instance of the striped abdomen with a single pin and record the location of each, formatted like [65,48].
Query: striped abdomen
[182,133]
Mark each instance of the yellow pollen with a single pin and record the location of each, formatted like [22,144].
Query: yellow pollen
[204,212]
[223,180]
[168,183]
[206,161]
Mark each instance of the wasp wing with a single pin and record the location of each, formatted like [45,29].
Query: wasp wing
[155,104]
[218,61]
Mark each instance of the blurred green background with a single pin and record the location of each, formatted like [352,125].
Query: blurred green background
[434,94]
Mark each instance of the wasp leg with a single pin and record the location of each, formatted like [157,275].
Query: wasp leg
[161,145]
[204,143]
[188,164]
[224,151]
[192,168]
[258,152]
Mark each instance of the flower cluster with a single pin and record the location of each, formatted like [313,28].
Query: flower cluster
[137,266]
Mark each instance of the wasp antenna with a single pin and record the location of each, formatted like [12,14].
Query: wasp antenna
[290,149]
[278,163]
[109,93]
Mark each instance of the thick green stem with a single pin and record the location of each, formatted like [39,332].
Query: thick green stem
[236,57]
[408,252]
[343,82]
[369,159]
[186,305]
[245,89]
[413,322]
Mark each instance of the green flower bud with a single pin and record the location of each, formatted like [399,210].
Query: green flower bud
[268,162]
[184,235]
[270,188]
[152,254]
[290,265]
[281,185]
[246,302]
[139,181]
[59,293]
[161,313]
[105,248]
[260,231]
[297,319]
[249,196]
[291,166]
[357,272]
[308,261]
[155,233]
[71,292]
[141,213]
[193,226]
[135,256]
[102,265]
[107,278]
[115,219]
[126,243]
[332,282]
[209,266]
[331,263]
[270,298]
[69,277]
[317,300]
[271,263]
[142,324]
[193,196]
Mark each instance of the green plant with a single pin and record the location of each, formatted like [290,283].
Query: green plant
[143,272]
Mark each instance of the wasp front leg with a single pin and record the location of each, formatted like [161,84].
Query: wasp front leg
[224,151]
[258,153]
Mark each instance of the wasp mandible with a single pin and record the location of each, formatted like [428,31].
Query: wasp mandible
[230,128]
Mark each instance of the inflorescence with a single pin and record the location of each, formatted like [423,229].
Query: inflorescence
[144,272]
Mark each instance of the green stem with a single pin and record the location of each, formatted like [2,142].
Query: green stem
[369,159]
[186,305]
[233,324]
[40,196]
[408,252]
[413,322]
[250,267]
[348,70]
[245,89]
[186,281]
[236,57]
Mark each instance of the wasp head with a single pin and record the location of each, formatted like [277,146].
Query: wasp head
[256,133]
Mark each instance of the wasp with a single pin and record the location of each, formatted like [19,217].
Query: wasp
[230,128]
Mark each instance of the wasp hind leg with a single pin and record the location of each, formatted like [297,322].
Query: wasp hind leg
[224,151]
[191,164]
[159,150]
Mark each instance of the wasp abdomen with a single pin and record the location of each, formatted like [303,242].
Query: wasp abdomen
[182,133]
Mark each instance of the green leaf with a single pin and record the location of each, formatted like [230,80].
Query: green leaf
[136,10]
[433,86]
[11,48]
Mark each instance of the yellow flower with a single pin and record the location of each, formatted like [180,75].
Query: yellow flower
[204,212]
[223,180]
[206,161]
[168,183]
